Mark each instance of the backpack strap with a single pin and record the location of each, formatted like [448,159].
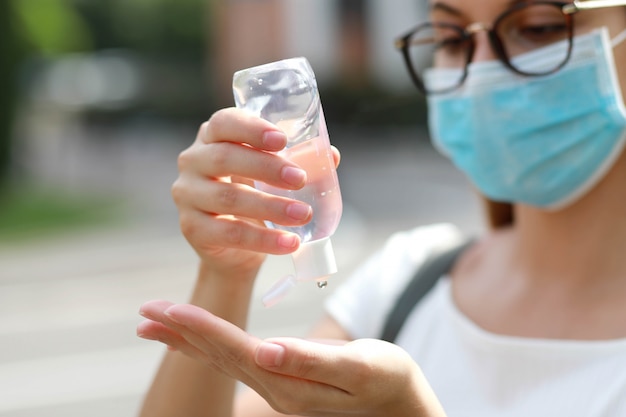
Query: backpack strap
[437,264]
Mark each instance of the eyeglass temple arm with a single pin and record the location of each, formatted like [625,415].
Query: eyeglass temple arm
[404,42]
[591,4]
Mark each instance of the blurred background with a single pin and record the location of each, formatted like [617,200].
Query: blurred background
[98,97]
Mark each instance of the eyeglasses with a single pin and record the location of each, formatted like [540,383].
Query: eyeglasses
[525,27]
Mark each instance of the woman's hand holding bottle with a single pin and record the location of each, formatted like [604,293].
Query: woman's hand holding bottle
[221,213]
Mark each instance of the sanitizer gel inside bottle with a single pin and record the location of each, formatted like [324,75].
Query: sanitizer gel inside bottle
[285,93]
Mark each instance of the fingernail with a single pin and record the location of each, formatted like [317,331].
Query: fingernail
[269,355]
[167,313]
[274,140]
[298,211]
[142,334]
[293,176]
[146,337]
[288,241]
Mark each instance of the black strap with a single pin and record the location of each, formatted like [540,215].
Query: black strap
[436,265]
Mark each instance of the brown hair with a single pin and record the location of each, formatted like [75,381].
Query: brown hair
[498,214]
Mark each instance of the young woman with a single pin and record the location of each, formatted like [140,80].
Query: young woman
[525,98]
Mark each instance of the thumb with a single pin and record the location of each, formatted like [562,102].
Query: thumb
[271,352]
[303,359]
[269,355]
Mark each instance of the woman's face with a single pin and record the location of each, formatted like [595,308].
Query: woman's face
[466,12]
[569,147]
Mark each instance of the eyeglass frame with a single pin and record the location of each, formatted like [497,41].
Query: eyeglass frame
[568,9]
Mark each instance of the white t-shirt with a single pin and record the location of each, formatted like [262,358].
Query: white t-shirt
[476,373]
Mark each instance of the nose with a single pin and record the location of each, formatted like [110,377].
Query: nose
[483,50]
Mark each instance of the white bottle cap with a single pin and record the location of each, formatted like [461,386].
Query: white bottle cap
[314,260]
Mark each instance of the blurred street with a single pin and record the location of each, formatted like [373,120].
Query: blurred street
[68,304]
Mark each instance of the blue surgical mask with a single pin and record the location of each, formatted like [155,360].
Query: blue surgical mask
[543,141]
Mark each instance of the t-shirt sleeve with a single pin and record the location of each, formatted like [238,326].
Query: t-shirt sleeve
[361,305]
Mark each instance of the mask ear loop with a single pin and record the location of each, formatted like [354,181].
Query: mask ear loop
[618,39]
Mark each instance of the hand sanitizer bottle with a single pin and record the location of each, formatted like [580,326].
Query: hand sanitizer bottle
[285,93]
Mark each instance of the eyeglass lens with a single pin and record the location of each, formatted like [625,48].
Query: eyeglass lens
[521,30]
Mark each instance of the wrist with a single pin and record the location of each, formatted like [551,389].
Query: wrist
[227,295]
[236,276]
[237,266]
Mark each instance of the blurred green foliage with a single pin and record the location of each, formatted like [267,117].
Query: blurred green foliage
[9,57]
[170,38]
[30,212]
[52,27]
[152,27]
[159,28]
[167,36]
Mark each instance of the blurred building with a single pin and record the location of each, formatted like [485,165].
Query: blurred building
[350,41]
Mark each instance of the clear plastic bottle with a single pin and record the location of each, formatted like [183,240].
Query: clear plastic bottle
[285,93]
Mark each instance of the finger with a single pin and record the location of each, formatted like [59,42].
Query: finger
[221,345]
[229,346]
[152,330]
[224,346]
[225,159]
[302,388]
[369,373]
[155,309]
[238,126]
[200,321]
[242,200]
[330,342]
[312,361]
[216,232]
[162,327]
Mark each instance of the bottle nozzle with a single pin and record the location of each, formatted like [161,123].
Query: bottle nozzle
[313,261]
[279,290]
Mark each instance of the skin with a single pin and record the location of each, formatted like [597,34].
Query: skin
[556,275]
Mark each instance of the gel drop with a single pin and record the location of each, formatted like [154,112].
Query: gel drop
[285,93]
